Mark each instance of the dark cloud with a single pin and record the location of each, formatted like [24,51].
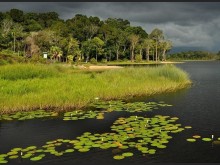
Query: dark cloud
[185,23]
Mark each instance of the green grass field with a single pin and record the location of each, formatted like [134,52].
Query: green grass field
[26,87]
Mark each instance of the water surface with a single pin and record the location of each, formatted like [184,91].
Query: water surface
[197,106]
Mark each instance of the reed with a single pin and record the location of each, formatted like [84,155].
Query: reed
[26,87]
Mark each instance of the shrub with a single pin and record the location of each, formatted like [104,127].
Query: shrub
[138,58]
[70,58]
[93,61]
[104,60]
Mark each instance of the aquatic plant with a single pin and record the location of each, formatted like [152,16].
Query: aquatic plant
[28,115]
[110,106]
[147,135]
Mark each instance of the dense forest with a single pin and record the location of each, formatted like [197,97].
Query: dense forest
[194,55]
[80,38]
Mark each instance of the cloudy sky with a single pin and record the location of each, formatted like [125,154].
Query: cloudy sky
[190,25]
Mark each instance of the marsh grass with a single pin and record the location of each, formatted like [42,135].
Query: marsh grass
[28,87]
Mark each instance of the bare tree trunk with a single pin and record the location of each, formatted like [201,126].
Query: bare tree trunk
[24,50]
[164,55]
[124,48]
[153,55]
[147,54]
[96,54]
[117,54]
[110,55]
[156,52]
[140,52]
[14,42]
[132,54]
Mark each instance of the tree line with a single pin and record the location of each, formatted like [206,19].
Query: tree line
[80,38]
[194,55]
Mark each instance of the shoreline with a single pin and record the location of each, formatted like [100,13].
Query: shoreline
[98,67]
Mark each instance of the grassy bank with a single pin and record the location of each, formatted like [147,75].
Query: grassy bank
[28,87]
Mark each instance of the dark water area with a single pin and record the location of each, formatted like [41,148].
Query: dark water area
[197,106]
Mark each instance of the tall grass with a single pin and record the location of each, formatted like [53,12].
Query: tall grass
[29,87]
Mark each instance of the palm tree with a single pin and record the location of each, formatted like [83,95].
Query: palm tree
[56,53]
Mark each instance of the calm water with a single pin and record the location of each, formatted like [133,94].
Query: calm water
[197,106]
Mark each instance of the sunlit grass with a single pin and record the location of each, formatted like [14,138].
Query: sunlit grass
[28,87]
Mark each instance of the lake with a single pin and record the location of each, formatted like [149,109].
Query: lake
[197,106]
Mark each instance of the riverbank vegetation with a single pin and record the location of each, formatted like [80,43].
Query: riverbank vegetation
[79,39]
[29,87]
[193,55]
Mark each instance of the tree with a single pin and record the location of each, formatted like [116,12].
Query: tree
[86,49]
[73,48]
[47,19]
[6,27]
[31,48]
[56,53]
[137,31]
[98,44]
[17,15]
[147,44]
[32,25]
[156,35]
[45,39]
[78,27]
[166,45]
[17,33]
[1,16]
[91,30]
[133,40]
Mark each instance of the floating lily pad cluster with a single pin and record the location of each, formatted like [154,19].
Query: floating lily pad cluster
[120,105]
[147,135]
[205,139]
[28,115]
[105,106]
[80,115]
[109,106]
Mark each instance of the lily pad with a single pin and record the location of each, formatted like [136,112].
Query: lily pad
[196,136]
[37,158]
[13,157]
[83,150]
[118,157]
[191,140]
[69,150]
[127,154]
[206,139]
[3,161]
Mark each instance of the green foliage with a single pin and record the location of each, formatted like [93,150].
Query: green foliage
[157,34]
[70,58]
[93,61]
[193,55]
[17,15]
[10,58]
[80,36]
[104,60]
[55,52]
[27,71]
[147,135]
[138,58]
[25,87]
